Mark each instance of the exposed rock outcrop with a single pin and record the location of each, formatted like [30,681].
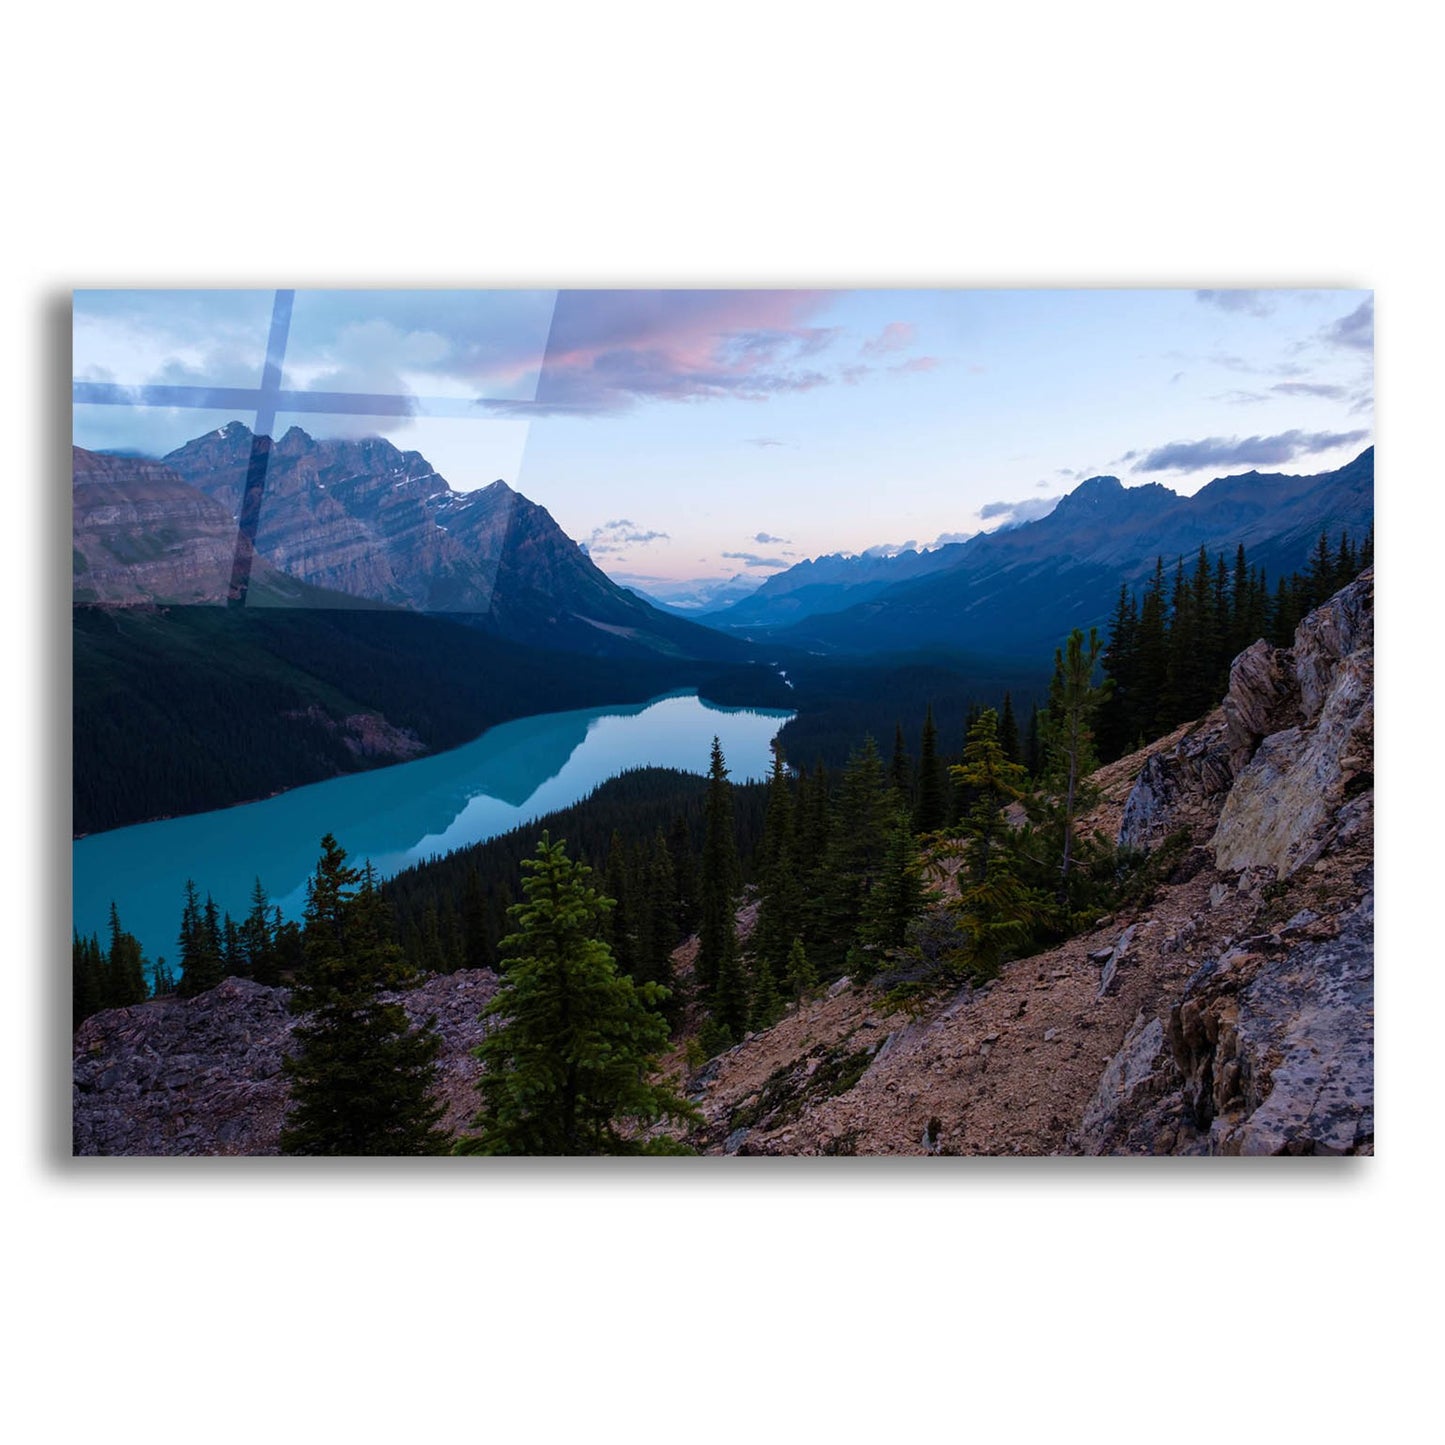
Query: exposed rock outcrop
[203,1075]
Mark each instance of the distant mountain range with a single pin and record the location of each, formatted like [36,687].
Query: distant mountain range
[366,522]
[826,584]
[1015,592]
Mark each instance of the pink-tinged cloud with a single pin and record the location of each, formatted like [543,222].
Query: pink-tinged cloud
[916,364]
[607,350]
[896,336]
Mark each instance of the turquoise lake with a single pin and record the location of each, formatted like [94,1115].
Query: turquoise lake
[399,815]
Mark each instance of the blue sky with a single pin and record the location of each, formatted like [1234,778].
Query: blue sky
[697,434]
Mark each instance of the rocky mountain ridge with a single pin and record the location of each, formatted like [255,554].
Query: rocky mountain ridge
[364,518]
[1005,592]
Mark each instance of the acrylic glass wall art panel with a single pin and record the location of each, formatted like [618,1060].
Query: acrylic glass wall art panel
[728,722]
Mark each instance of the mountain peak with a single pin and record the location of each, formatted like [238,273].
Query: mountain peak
[1094,487]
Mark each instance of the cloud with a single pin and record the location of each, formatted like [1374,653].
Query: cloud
[917,363]
[891,549]
[619,535]
[767,540]
[609,350]
[852,375]
[1310,388]
[896,336]
[1249,303]
[1241,398]
[767,442]
[945,539]
[1015,514]
[1355,331]
[1250,451]
[751,559]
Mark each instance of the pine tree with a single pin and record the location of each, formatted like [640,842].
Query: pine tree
[87,979]
[1008,731]
[620,930]
[257,939]
[476,941]
[660,933]
[993,782]
[931,810]
[124,979]
[720,874]
[898,895]
[1118,719]
[861,825]
[1073,701]
[685,879]
[779,894]
[1033,744]
[362,1077]
[900,769]
[200,946]
[801,974]
[568,1063]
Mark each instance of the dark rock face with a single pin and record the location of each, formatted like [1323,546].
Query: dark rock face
[1275,1045]
[1289,801]
[140,534]
[203,1075]
[1292,743]
[1173,786]
[1270,1047]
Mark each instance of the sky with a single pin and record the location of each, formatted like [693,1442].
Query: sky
[684,435]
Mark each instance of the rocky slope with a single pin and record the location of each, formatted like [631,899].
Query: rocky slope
[140,534]
[203,1076]
[1231,1014]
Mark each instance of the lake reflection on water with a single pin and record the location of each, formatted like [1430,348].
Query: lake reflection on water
[398,815]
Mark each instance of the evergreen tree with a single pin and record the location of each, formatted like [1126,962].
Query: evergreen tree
[87,979]
[1073,701]
[861,825]
[257,939]
[898,894]
[619,925]
[931,811]
[801,974]
[200,946]
[993,782]
[362,1077]
[719,965]
[1118,718]
[659,932]
[685,879]
[574,1043]
[900,770]
[779,894]
[1008,731]
[163,981]
[1033,744]
[125,969]
[233,961]
[477,943]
